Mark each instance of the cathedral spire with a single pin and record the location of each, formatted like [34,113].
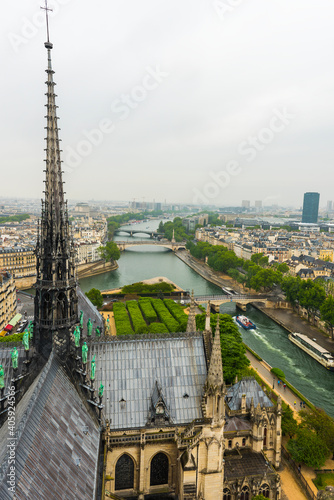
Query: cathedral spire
[56,297]
[215,379]
[191,325]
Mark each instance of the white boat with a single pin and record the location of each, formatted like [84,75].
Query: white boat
[245,322]
[317,352]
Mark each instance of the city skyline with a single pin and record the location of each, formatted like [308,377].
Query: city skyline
[206,118]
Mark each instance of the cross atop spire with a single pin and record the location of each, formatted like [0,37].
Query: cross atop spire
[48,45]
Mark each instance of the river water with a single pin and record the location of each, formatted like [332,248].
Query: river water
[269,340]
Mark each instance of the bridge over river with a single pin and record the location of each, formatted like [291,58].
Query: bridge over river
[170,245]
[131,232]
[217,300]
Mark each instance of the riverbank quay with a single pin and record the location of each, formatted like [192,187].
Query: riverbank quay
[216,278]
[292,322]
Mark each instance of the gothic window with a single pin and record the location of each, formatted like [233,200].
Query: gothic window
[265,436]
[230,443]
[226,494]
[264,490]
[159,469]
[244,493]
[124,473]
[243,441]
[73,303]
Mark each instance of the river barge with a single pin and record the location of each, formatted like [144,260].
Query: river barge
[314,350]
[245,322]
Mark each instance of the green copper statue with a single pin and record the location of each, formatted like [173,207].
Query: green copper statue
[108,326]
[101,389]
[89,327]
[76,334]
[31,330]
[93,368]
[25,340]
[81,319]
[2,378]
[84,353]
[97,331]
[15,358]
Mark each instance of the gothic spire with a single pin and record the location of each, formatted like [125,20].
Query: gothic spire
[56,297]
[215,379]
[191,325]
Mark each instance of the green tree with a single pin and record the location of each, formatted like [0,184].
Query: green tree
[233,351]
[289,423]
[109,252]
[311,296]
[265,279]
[95,296]
[259,497]
[308,448]
[283,268]
[327,312]
[318,421]
[291,287]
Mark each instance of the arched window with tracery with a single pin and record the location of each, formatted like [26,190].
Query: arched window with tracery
[265,436]
[226,494]
[159,469]
[124,473]
[264,490]
[244,493]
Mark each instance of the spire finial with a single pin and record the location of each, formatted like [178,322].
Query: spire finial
[48,45]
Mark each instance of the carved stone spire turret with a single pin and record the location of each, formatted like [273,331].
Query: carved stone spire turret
[56,310]
[191,325]
[214,389]
[207,334]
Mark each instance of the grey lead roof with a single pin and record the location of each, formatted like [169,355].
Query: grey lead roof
[129,369]
[252,389]
[57,442]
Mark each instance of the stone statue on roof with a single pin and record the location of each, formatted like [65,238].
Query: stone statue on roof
[76,334]
[15,358]
[81,319]
[92,369]
[84,352]
[25,340]
[89,327]
[2,378]
[97,331]
[101,390]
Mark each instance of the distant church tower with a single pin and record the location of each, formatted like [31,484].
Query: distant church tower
[56,302]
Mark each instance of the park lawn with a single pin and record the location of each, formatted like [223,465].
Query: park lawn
[324,479]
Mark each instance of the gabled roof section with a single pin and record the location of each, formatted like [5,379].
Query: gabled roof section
[56,442]
[252,389]
[129,367]
[237,424]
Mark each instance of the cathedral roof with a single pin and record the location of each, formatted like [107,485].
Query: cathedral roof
[56,441]
[252,389]
[237,424]
[130,366]
[245,463]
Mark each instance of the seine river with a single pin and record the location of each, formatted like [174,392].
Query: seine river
[269,340]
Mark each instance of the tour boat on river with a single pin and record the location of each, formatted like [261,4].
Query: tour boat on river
[245,322]
[317,352]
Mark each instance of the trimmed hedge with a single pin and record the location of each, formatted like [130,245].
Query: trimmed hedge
[178,313]
[16,337]
[122,320]
[139,324]
[165,316]
[149,313]
[279,373]
[141,287]
[158,328]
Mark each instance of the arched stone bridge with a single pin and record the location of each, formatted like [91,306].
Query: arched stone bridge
[173,246]
[217,300]
[131,232]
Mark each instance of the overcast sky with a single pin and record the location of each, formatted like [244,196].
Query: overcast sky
[185,100]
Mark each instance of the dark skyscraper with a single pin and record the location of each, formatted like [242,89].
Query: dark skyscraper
[311,207]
